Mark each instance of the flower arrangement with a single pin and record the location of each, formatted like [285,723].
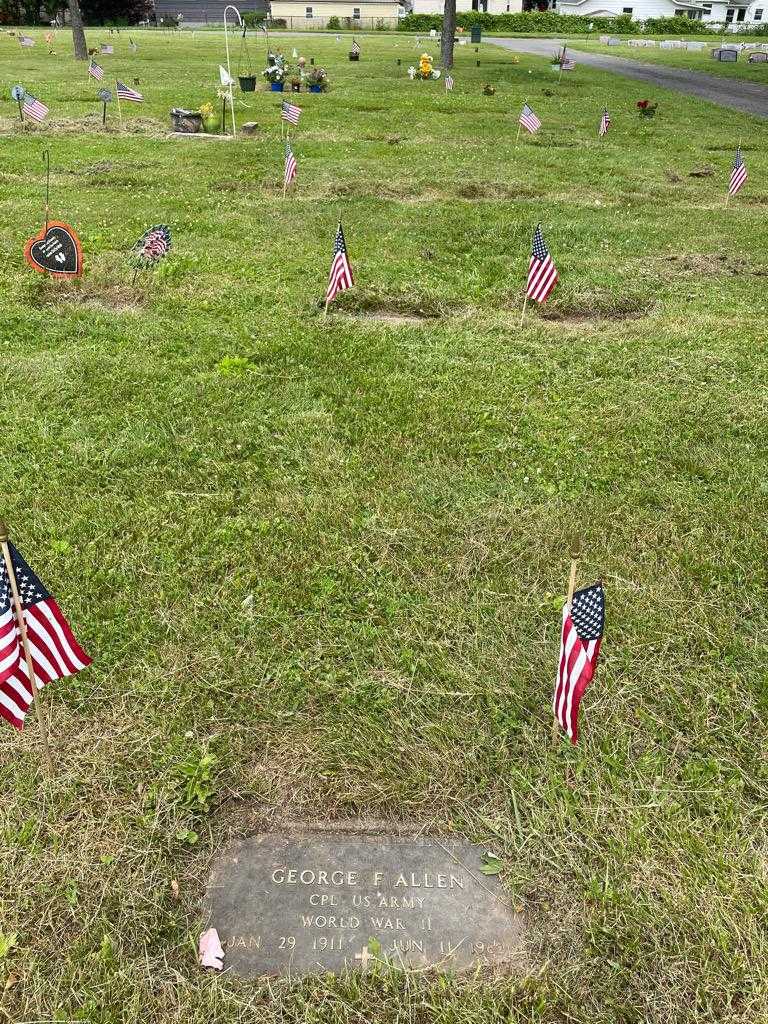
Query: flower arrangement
[646,108]
[277,68]
[489,90]
[317,79]
[424,71]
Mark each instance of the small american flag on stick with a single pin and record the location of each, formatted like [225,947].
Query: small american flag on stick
[26,40]
[542,273]
[738,173]
[34,108]
[529,120]
[582,633]
[95,71]
[124,92]
[44,642]
[449,83]
[566,63]
[605,123]
[340,278]
[355,47]
[290,112]
[290,167]
[107,48]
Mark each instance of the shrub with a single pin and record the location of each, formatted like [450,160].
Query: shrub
[679,26]
[254,19]
[333,23]
[532,22]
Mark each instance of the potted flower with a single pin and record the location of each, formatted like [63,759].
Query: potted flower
[210,118]
[317,79]
[295,84]
[646,108]
[276,71]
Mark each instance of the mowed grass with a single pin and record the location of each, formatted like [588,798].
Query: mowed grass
[319,562]
[690,60]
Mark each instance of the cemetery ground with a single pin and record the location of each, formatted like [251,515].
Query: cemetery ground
[690,60]
[319,563]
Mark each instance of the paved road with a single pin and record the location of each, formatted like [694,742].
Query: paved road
[748,97]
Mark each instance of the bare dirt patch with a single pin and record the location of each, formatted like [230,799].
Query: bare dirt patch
[87,293]
[595,306]
[697,263]
[402,308]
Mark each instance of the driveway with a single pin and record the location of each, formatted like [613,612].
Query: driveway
[748,97]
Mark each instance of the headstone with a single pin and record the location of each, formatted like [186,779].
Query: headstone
[613,41]
[666,44]
[695,46]
[758,58]
[726,55]
[603,39]
[312,902]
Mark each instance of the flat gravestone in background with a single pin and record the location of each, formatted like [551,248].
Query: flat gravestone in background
[309,902]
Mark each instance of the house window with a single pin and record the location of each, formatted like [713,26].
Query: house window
[356,13]
[758,15]
[626,10]
[729,15]
[308,15]
[741,14]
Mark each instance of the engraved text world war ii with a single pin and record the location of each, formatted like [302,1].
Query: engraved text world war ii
[307,903]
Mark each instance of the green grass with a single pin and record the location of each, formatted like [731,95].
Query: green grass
[690,60]
[330,553]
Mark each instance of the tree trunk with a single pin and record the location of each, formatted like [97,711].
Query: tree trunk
[78,35]
[449,31]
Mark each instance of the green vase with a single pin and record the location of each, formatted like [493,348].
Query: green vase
[212,124]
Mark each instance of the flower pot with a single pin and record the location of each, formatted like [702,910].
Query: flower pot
[212,124]
[276,86]
[315,88]
[247,83]
[354,56]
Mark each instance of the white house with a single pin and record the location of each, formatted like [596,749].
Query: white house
[736,12]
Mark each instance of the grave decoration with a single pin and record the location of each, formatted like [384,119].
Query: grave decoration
[317,80]
[18,94]
[210,119]
[56,250]
[153,246]
[489,90]
[246,74]
[646,108]
[276,71]
[106,97]
[302,903]
[425,70]
[354,50]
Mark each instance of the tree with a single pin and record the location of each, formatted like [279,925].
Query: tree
[78,35]
[449,31]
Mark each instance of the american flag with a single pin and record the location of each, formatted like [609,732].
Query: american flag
[529,120]
[340,278]
[583,625]
[566,63]
[107,48]
[153,245]
[738,174]
[542,273]
[34,108]
[355,47]
[290,165]
[132,45]
[124,92]
[605,123]
[449,83]
[290,112]
[26,40]
[95,71]
[54,650]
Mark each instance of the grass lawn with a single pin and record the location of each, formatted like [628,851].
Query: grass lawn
[690,60]
[319,562]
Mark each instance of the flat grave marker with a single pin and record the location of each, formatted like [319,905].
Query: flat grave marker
[311,902]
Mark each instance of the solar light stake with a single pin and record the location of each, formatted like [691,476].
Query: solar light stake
[231,7]
[22,624]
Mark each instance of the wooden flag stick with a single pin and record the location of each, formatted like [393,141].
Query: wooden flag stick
[575,555]
[119,108]
[525,306]
[21,622]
